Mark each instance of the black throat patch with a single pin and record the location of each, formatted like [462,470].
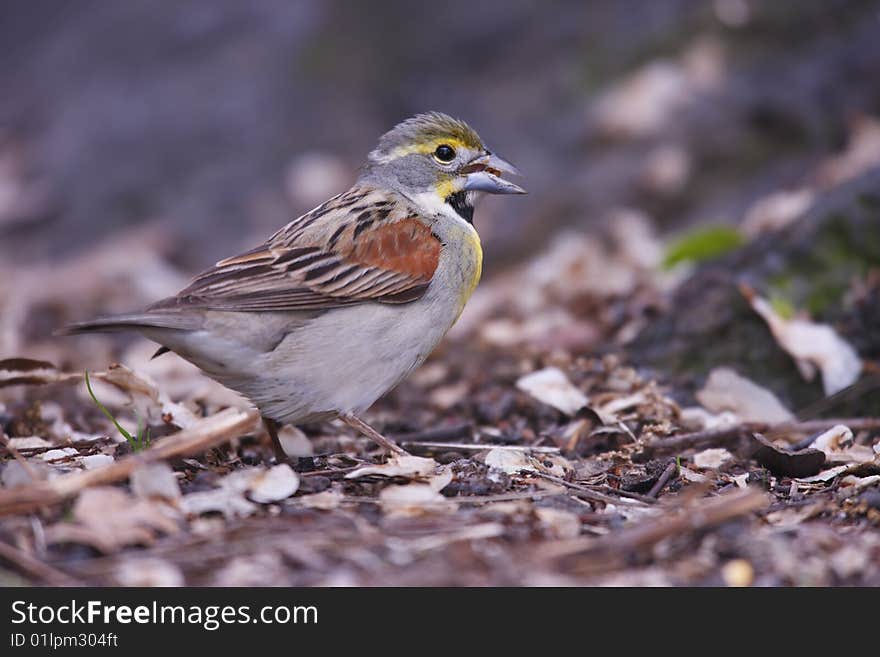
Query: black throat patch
[461,203]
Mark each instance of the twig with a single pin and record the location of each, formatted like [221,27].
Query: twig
[670,470]
[605,488]
[18,457]
[583,491]
[505,497]
[694,517]
[481,447]
[722,434]
[202,436]
[458,499]
[33,566]
[332,472]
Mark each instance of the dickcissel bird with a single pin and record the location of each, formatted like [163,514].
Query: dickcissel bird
[341,304]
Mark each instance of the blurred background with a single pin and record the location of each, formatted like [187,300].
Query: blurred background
[140,143]
[225,119]
[699,251]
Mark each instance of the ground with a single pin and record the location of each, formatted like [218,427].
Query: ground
[669,374]
[540,455]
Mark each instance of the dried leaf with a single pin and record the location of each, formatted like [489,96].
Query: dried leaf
[325,500]
[858,483]
[418,498]
[854,454]
[59,454]
[155,480]
[513,461]
[824,476]
[397,466]
[26,371]
[550,386]
[29,442]
[294,442]
[560,523]
[786,463]
[725,390]
[792,517]
[278,483]
[833,440]
[712,458]
[109,518]
[148,572]
[811,345]
[141,393]
[15,474]
[689,475]
[228,498]
[96,461]
[231,496]
[411,499]
[742,481]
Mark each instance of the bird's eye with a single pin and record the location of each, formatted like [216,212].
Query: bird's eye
[444,153]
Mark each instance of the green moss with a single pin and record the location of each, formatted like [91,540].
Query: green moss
[783,306]
[817,278]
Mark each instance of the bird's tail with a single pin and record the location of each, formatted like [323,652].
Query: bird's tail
[133,322]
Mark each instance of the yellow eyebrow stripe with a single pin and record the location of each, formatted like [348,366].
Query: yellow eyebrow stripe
[426,147]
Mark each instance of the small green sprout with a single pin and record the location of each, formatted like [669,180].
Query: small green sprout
[139,441]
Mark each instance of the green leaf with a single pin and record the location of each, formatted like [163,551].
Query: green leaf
[702,244]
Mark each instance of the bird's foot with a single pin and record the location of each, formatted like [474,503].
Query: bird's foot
[386,443]
[272,429]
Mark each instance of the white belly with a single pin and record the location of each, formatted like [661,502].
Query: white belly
[344,360]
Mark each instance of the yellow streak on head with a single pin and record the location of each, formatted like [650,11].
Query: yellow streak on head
[426,147]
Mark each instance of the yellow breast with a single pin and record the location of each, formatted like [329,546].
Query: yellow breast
[472,267]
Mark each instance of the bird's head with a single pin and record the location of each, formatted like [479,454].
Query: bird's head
[433,156]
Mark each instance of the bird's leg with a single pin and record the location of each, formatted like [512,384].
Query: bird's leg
[272,429]
[359,425]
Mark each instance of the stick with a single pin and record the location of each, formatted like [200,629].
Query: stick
[694,517]
[583,491]
[36,568]
[481,447]
[722,434]
[460,499]
[204,435]
[18,457]
[605,488]
[670,470]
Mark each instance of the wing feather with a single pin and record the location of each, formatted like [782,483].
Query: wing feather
[358,247]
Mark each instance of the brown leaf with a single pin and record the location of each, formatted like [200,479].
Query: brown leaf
[108,519]
[21,371]
[811,345]
[726,390]
[787,463]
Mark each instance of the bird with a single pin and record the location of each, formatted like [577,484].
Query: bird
[337,307]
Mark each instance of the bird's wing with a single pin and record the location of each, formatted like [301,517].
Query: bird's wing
[364,245]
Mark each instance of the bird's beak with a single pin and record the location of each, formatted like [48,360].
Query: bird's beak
[484,175]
